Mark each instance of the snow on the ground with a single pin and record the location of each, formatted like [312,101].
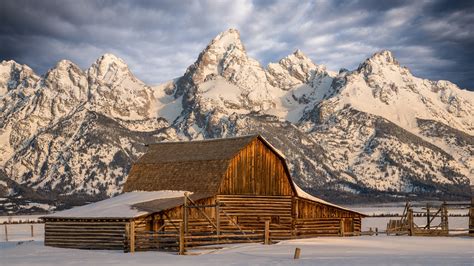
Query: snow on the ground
[366,250]
[119,206]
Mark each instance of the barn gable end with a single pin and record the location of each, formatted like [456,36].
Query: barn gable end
[196,166]
[257,169]
[241,165]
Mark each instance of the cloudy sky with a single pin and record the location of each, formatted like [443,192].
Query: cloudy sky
[159,39]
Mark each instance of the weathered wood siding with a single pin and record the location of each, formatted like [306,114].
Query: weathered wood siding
[317,219]
[85,234]
[251,212]
[256,170]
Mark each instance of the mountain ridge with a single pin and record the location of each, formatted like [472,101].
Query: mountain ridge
[75,132]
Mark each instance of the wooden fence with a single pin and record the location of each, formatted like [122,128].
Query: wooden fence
[180,241]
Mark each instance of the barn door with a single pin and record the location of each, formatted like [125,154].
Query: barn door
[348,225]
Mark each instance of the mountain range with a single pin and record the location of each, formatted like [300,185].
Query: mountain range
[375,133]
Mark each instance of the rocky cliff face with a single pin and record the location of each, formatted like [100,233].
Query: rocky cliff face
[376,132]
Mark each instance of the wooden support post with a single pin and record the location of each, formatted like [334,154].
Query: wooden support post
[6,233]
[181,238]
[411,225]
[126,239]
[341,227]
[428,218]
[32,233]
[132,236]
[185,212]
[218,219]
[267,233]
[297,253]
[444,218]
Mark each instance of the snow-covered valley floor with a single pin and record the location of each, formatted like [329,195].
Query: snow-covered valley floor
[365,250]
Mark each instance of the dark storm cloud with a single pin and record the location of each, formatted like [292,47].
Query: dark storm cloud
[159,39]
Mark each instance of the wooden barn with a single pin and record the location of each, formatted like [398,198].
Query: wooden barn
[195,193]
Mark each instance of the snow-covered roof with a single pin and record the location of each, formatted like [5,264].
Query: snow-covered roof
[301,193]
[116,207]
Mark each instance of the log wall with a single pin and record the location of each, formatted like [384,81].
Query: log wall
[251,212]
[85,234]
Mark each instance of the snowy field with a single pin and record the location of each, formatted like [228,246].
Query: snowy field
[366,250]
[22,249]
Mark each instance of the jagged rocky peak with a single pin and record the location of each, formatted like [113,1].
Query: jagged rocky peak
[227,40]
[64,69]
[384,57]
[108,68]
[13,75]
[67,77]
[292,70]
[381,62]
[296,69]
[221,57]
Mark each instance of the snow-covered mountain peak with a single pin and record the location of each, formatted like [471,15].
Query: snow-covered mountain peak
[109,68]
[297,69]
[13,75]
[63,67]
[379,62]
[384,57]
[65,76]
[227,40]
[382,87]
[223,56]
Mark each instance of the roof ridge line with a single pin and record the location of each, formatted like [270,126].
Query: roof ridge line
[204,140]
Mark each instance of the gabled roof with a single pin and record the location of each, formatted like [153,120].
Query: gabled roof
[200,150]
[196,166]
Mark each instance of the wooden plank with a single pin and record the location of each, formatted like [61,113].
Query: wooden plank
[218,215]
[132,237]
[181,239]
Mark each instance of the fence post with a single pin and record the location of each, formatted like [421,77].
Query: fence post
[181,238]
[444,218]
[6,233]
[32,234]
[410,222]
[267,233]
[297,253]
